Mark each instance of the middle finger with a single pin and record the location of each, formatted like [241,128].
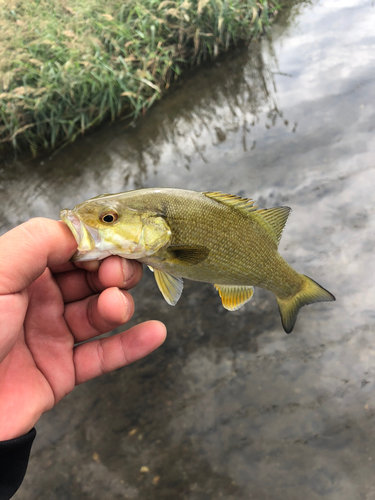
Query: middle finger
[113,272]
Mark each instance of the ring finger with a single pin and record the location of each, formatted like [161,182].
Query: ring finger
[98,314]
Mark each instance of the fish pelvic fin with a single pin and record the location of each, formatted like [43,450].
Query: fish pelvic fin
[309,293]
[234,297]
[169,286]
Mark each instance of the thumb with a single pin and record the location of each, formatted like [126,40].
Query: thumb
[28,249]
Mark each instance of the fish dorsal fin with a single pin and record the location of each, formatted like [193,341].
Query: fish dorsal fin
[170,287]
[244,204]
[234,297]
[186,254]
[276,219]
[100,196]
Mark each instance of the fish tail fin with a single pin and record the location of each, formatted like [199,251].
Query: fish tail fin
[309,293]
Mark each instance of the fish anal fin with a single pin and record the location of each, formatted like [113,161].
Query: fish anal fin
[244,204]
[276,219]
[234,297]
[185,254]
[169,286]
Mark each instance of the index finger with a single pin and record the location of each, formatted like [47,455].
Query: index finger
[28,249]
[113,272]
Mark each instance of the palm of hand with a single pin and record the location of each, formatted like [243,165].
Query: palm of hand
[39,370]
[41,324]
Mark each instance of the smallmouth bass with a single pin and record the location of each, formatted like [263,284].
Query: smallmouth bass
[211,237]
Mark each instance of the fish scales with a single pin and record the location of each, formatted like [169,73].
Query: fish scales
[226,263]
[208,237]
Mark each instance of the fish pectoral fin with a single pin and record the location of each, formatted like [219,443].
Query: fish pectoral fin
[170,286]
[234,297]
[185,254]
[276,219]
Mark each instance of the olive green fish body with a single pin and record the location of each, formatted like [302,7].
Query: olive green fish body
[240,251]
[208,237]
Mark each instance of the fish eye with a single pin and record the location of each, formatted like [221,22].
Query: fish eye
[109,217]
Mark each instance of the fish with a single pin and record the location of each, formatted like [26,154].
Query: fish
[211,237]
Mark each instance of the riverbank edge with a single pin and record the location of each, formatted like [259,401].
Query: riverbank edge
[80,71]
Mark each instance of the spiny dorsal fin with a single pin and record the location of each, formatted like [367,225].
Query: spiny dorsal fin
[170,286]
[186,254]
[100,196]
[232,200]
[234,297]
[276,218]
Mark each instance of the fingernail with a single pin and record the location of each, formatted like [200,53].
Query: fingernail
[127,269]
[125,298]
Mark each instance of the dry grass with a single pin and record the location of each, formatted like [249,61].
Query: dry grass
[67,65]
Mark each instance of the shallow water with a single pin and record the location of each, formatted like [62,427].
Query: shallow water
[231,407]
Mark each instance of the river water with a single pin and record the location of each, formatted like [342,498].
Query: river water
[230,406]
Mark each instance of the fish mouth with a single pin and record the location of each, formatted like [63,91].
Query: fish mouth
[85,237]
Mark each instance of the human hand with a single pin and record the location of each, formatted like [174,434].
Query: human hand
[47,305]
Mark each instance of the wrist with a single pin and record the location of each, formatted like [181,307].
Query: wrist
[31,432]
[13,425]
[8,434]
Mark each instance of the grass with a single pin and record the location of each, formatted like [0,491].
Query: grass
[67,65]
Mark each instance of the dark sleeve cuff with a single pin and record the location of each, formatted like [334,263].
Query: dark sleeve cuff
[14,457]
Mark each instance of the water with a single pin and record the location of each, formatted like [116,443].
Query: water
[231,407]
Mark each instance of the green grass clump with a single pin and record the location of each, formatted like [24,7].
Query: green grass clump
[67,65]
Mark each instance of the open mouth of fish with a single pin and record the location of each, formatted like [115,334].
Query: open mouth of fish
[87,238]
